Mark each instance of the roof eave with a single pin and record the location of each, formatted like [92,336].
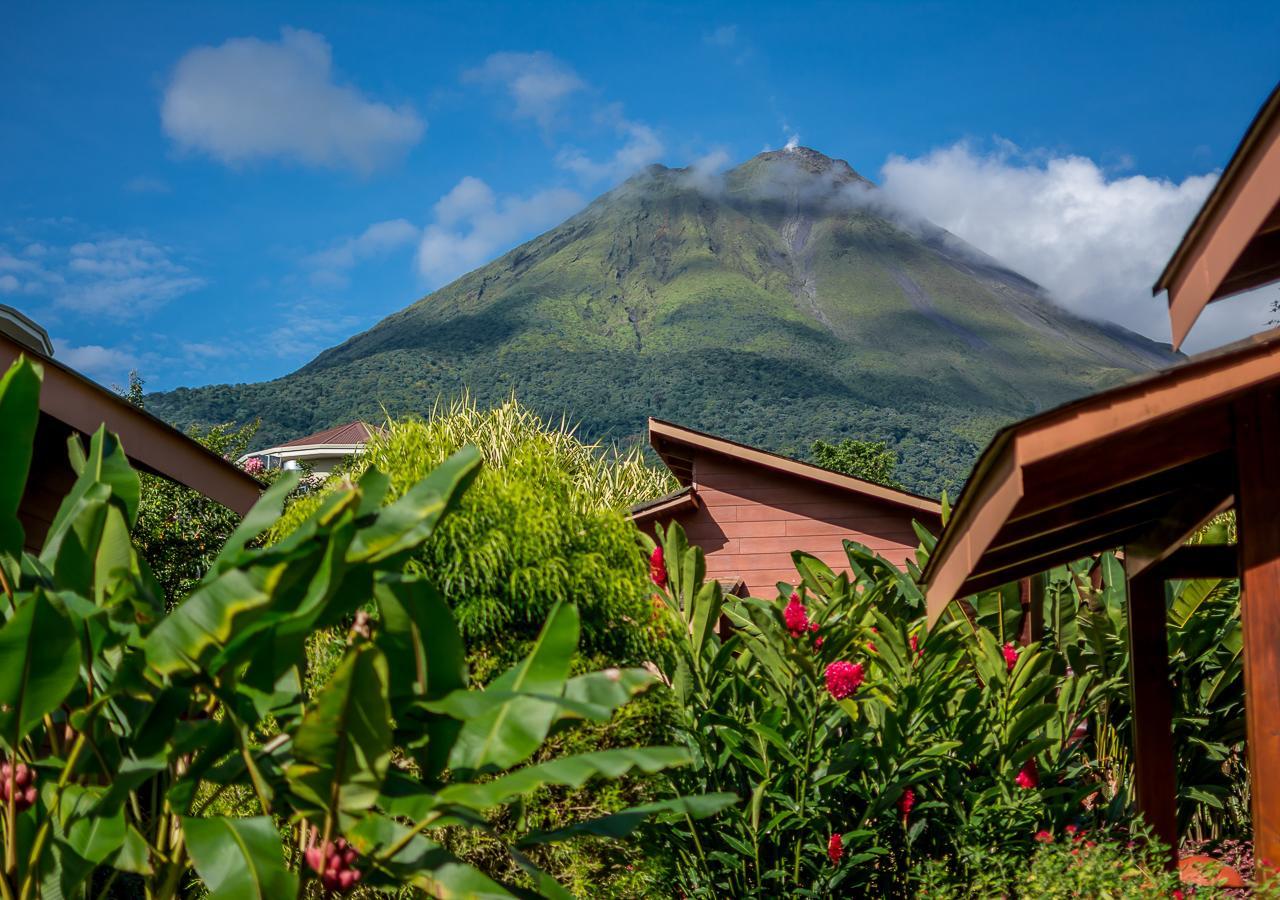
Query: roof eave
[1231,216]
[660,430]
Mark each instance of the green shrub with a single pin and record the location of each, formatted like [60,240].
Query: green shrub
[1072,864]
[542,525]
[125,728]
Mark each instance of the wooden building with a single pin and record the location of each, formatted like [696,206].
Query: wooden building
[748,509]
[71,404]
[1142,466]
[321,452]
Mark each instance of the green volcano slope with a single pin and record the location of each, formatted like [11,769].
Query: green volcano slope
[775,304]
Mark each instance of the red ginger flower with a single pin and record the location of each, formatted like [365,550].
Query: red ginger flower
[835,848]
[1028,775]
[1010,656]
[795,617]
[871,645]
[1044,837]
[905,802]
[843,679]
[915,646]
[657,568]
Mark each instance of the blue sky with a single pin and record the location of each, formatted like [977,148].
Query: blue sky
[215,192]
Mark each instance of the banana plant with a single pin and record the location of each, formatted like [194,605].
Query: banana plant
[153,748]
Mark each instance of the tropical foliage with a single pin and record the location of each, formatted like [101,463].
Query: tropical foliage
[144,749]
[880,757]
[864,741]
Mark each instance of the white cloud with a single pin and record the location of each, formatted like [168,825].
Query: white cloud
[641,147]
[472,225]
[537,83]
[329,266]
[104,364]
[121,278]
[308,327]
[9,284]
[249,99]
[1096,242]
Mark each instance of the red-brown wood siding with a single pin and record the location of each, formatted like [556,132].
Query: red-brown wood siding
[749,519]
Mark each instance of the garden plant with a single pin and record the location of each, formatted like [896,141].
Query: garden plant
[146,752]
[879,757]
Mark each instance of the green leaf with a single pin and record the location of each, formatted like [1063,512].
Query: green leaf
[409,521]
[239,858]
[621,824]
[606,691]
[263,514]
[96,837]
[105,478]
[568,771]
[512,731]
[191,635]
[421,863]
[19,411]
[134,855]
[343,746]
[41,664]
[420,638]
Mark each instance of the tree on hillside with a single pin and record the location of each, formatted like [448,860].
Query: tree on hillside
[868,460]
[179,531]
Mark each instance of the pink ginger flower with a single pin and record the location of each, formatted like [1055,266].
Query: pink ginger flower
[843,679]
[1028,776]
[657,568]
[254,465]
[835,848]
[1010,656]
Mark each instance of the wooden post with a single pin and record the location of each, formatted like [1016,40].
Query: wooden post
[1152,701]
[1257,436]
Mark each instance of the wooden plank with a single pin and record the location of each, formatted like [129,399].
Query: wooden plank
[1152,702]
[1257,437]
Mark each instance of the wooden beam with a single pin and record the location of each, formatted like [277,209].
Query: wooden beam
[1257,436]
[1198,503]
[1202,561]
[1152,703]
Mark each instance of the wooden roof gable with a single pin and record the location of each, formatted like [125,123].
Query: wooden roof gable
[150,444]
[677,445]
[1234,243]
[1142,464]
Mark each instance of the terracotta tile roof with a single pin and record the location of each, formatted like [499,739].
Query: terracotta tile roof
[351,433]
